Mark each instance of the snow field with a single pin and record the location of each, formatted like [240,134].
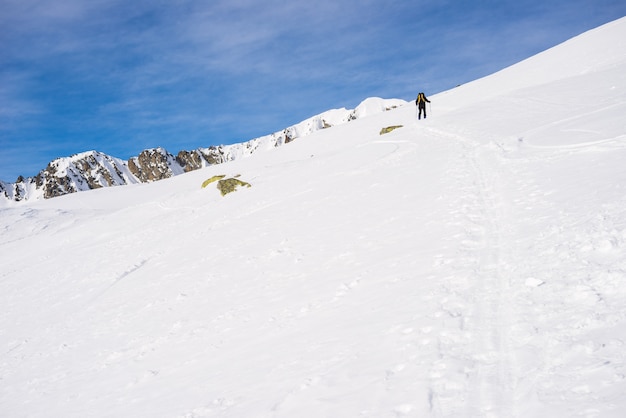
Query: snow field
[470,264]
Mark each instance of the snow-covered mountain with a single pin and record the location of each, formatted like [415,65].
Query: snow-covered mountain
[468,265]
[92,170]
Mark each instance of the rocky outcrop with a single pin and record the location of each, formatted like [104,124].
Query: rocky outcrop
[191,160]
[154,164]
[388,129]
[84,171]
[4,190]
[200,158]
[226,186]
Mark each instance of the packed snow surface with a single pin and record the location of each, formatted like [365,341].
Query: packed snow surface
[472,264]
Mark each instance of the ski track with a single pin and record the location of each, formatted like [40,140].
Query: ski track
[498,349]
[472,375]
[489,382]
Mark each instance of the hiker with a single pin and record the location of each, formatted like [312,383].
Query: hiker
[421,104]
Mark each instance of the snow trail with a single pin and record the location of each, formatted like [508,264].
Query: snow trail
[491,382]
[476,289]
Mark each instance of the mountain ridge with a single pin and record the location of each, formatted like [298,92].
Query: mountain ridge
[93,169]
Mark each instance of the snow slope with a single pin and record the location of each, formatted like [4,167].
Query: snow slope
[470,264]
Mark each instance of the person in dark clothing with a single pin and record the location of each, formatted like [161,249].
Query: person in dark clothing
[421,104]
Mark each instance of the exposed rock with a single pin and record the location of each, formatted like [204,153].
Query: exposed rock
[191,160]
[3,190]
[226,186]
[212,180]
[389,129]
[153,164]
[289,135]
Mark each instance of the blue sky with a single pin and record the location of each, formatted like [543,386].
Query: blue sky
[120,76]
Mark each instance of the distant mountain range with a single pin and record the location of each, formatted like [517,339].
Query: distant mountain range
[93,169]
